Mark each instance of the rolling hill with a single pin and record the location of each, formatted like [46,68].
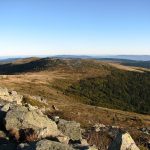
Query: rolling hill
[84,90]
[92,82]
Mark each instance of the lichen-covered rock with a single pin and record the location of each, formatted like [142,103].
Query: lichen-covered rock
[44,145]
[63,139]
[70,129]
[4,92]
[6,107]
[20,117]
[51,145]
[11,96]
[123,141]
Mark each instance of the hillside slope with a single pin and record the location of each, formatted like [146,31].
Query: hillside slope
[92,82]
[118,90]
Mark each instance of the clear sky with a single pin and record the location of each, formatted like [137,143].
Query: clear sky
[49,27]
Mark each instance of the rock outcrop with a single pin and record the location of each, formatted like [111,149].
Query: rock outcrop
[70,129]
[47,145]
[20,117]
[26,127]
[10,96]
[123,141]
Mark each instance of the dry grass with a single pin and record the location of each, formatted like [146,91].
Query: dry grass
[127,68]
[44,84]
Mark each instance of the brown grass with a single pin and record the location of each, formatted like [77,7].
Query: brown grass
[50,85]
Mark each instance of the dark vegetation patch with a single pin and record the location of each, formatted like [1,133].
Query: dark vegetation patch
[37,65]
[127,62]
[119,90]
[144,64]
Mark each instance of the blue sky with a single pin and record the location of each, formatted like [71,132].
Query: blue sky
[97,27]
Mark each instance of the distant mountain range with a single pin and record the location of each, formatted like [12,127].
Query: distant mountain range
[128,57]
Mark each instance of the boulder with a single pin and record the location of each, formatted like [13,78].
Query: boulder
[19,117]
[51,145]
[98,127]
[123,141]
[44,145]
[6,107]
[12,96]
[63,139]
[4,92]
[30,107]
[70,129]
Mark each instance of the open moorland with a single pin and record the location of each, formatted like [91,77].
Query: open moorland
[85,90]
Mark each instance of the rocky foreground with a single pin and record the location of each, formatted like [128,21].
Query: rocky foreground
[26,127]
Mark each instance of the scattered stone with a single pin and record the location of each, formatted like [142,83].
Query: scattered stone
[30,107]
[63,139]
[4,92]
[29,124]
[145,130]
[26,146]
[5,108]
[13,93]
[70,129]
[98,127]
[84,142]
[55,118]
[38,98]
[12,96]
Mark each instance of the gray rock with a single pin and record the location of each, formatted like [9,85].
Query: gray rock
[5,95]
[63,139]
[55,118]
[123,141]
[70,129]
[30,107]
[4,92]
[145,130]
[14,93]
[5,108]
[50,145]
[20,117]
[44,145]
[38,98]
